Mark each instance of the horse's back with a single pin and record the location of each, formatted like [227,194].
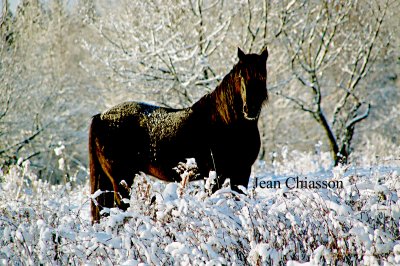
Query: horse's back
[153,139]
[119,133]
[145,129]
[127,111]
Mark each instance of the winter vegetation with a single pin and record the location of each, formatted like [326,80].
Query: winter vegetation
[332,115]
[182,224]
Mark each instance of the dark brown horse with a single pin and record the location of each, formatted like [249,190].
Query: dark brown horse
[220,131]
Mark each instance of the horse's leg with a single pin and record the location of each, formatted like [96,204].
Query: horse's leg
[240,178]
[124,191]
[99,181]
[98,178]
[94,186]
[116,174]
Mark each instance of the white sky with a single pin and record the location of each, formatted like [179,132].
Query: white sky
[13,4]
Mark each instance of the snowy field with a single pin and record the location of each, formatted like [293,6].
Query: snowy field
[168,224]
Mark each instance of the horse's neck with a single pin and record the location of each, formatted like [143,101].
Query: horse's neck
[225,100]
[219,105]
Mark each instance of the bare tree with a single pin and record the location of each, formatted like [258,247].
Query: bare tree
[61,63]
[38,103]
[167,56]
[330,50]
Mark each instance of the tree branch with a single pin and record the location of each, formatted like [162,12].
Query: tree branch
[3,114]
[364,56]
[299,103]
[4,12]
[24,142]
[359,118]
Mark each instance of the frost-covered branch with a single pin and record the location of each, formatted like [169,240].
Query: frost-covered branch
[298,102]
[358,118]
[319,44]
[49,224]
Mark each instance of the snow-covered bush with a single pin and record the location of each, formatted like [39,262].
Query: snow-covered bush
[170,223]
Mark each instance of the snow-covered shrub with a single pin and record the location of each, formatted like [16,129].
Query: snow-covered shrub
[170,224]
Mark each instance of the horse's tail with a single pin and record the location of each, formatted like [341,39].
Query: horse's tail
[98,178]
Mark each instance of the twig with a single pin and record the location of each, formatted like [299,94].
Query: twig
[359,117]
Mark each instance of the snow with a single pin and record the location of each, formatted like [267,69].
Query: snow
[168,224]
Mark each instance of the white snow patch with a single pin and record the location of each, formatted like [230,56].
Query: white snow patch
[49,224]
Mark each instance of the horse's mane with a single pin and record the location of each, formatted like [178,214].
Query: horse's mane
[222,101]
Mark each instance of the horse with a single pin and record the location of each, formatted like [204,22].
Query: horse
[220,131]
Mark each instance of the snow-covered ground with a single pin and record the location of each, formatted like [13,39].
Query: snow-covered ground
[170,225]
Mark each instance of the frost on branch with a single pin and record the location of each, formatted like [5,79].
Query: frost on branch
[187,171]
[49,224]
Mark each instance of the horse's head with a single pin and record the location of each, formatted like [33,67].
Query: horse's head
[252,74]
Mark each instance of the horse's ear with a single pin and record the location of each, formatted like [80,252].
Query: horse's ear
[264,53]
[241,54]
